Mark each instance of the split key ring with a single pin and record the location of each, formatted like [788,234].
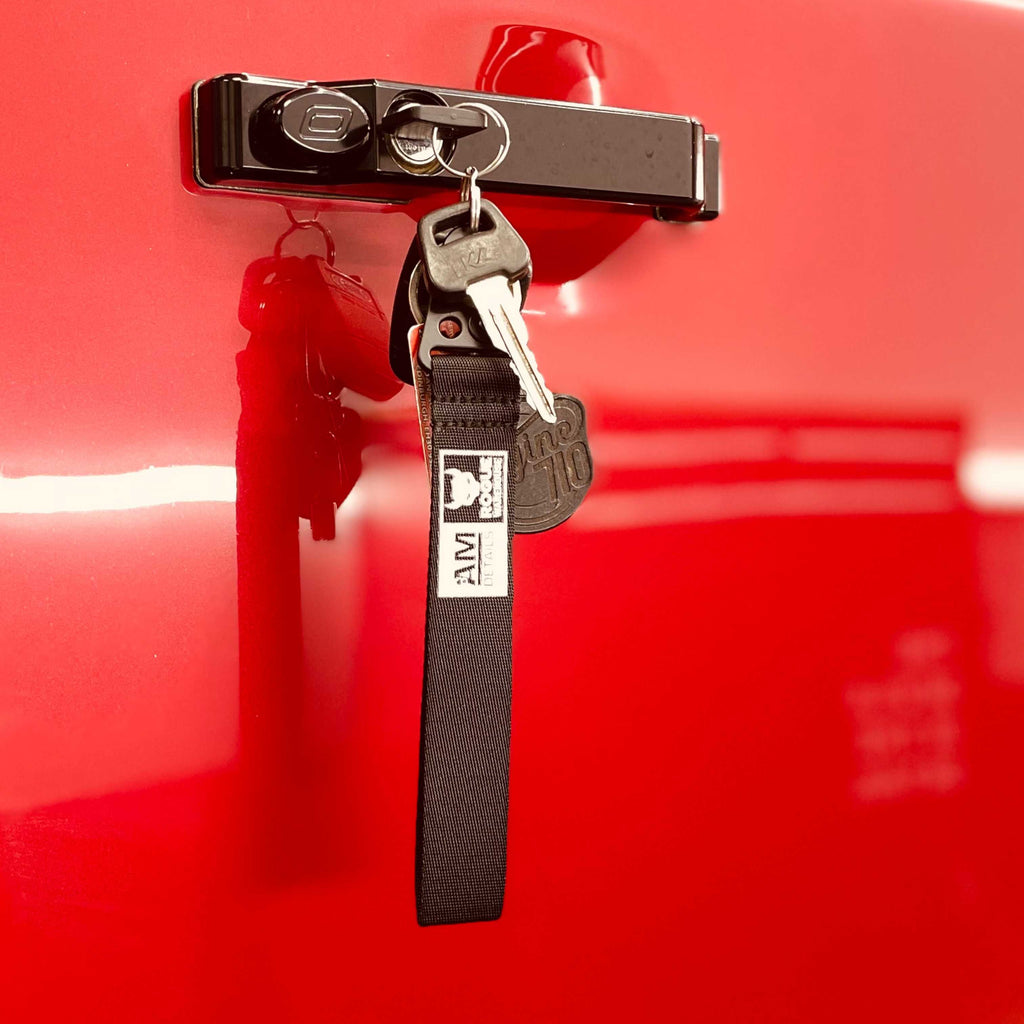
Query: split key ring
[488,111]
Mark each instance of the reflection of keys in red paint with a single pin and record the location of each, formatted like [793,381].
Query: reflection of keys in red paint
[314,332]
[309,301]
[351,332]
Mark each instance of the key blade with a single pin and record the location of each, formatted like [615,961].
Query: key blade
[507,331]
[499,310]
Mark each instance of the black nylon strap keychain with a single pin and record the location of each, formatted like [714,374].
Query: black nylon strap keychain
[462,814]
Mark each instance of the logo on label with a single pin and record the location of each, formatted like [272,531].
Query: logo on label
[483,487]
[473,524]
[464,488]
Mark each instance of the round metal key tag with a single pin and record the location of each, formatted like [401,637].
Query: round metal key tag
[553,467]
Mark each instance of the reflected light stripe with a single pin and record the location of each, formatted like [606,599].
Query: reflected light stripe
[875,444]
[708,503]
[993,478]
[696,446]
[711,445]
[989,479]
[144,488]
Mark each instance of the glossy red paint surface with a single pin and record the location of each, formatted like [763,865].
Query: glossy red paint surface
[769,694]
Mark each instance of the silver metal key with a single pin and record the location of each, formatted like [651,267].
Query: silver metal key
[496,302]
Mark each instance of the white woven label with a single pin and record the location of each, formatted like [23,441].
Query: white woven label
[472,548]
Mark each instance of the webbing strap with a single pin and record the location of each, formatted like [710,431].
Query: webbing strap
[467,678]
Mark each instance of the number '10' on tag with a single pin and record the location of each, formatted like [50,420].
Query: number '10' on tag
[473,527]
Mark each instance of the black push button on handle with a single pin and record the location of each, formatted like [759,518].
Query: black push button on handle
[312,127]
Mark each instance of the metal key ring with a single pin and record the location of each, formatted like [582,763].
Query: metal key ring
[435,142]
[470,193]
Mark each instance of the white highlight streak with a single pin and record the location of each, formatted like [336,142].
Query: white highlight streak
[1013,5]
[569,297]
[144,488]
[993,478]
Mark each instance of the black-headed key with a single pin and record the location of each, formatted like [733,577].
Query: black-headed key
[483,266]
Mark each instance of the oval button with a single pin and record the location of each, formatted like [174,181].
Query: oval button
[315,123]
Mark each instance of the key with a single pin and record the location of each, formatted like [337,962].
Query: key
[483,266]
[410,362]
[414,306]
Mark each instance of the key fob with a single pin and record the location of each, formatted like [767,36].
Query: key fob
[553,466]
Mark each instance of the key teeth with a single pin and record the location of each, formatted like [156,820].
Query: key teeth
[538,394]
[545,408]
[504,325]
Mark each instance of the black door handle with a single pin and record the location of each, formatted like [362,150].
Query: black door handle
[375,141]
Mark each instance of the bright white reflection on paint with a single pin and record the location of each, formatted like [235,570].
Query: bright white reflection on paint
[144,488]
[1014,5]
[569,297]
[992,478]
[988,478]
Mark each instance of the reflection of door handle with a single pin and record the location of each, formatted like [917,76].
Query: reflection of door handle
[242,141]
